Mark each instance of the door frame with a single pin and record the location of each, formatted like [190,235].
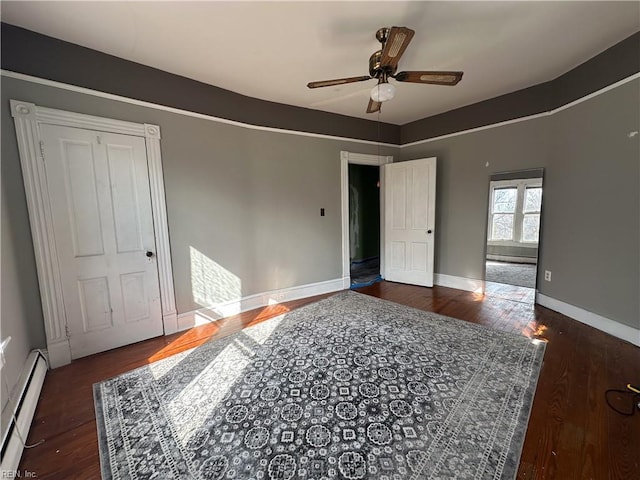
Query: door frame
[359,159]
[524,174]
[27,118]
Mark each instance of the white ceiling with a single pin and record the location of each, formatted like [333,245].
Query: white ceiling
[272,50]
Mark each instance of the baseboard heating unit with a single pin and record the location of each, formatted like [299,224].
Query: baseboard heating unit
[20,409]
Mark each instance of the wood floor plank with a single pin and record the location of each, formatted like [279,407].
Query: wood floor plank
[572,434]
[594,419]
[623,432]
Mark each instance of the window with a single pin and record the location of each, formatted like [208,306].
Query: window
[504,208]
[531,214]
[514,216]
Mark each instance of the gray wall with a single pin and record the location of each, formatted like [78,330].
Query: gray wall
[462,193]
[591,210]
[592,206]
[246,202]
[34,54]
[240,201]
[20,308]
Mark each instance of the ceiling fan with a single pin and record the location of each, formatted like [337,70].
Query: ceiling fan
[383,65]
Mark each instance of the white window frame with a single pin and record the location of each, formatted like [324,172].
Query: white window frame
[519,214]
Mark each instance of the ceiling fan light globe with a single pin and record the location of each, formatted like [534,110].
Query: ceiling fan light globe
[383,92]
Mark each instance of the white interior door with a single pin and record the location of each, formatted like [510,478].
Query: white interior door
[101,208]
[410,202]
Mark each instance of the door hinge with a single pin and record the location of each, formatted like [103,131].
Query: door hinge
[42,149]
[99,140]
[66,331]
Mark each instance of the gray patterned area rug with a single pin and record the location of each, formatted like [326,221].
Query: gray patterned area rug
[351,387]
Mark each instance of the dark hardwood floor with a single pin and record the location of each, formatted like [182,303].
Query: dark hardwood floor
[572,434]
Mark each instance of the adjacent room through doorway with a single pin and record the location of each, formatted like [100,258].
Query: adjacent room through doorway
[364,224]
[515,204]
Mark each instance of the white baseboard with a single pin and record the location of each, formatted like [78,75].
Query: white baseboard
[28,389]
[170,323]
[594,320]
[460,283]
[59,353]
[210,314]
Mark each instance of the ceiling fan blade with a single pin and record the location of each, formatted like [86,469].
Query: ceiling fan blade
[337,81]
[433,78]
[396,44]
[373,106]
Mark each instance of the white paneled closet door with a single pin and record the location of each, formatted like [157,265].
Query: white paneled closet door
[101,208]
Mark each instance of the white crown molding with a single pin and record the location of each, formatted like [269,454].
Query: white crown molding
[203,316]
[596,93]
[155,106]
[526,118]
[96,93]
[617,329]
[27,118]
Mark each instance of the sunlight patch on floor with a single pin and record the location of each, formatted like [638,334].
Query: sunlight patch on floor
[259,332]
[195,402]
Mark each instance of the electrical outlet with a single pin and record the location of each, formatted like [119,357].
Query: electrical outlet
[547,275]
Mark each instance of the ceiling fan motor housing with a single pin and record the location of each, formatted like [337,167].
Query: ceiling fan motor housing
[383,34]
[383,65]
[376,70]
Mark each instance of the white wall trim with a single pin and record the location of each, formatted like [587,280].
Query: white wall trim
[215,312]
[617,329]
[132,101]
[526,118]
[594,320]
[477,129]
[179,111]
[360,159]
[28,117]
[596,93]
[459,283]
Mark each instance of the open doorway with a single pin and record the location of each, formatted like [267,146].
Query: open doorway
[513,231]
[347,159]
[364,224]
